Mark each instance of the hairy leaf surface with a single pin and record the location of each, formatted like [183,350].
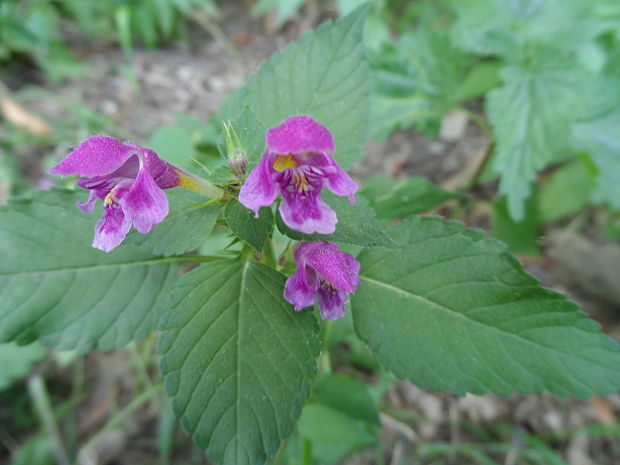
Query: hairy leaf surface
[452,310]
[187,226]
[56,288]
[255,231]
[238,360]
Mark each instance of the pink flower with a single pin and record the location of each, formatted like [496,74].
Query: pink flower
[128,178]
[297,166]
[325,272]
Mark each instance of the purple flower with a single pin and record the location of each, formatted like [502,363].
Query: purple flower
[128,178]
[324,271]
[297,165]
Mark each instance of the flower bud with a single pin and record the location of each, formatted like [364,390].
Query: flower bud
[238,164]
[237,160]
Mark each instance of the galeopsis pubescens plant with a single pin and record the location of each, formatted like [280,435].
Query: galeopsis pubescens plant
[435,302]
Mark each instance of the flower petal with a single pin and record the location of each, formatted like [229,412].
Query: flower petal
[164,174]
[145,203]
[338,181]
[111,229]
[331,304]
[336,267]
[89,205]
[96,156]
[299,134]
[298,291]
[308,215]
[259,189]
[354,268]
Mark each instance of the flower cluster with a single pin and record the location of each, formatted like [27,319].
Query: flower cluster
[130,180]
[297,166]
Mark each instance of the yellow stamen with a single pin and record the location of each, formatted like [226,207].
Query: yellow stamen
[326,285]
[299,179]
[109,199]
[283,162]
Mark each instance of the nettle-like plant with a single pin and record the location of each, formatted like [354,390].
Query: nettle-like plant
[436,302]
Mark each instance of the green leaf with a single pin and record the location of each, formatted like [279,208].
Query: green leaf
[452,310]
[238,360]
[333,434]
[415,80]
[187,226]
[600,139]
[391,113]
[513,28]
[531,116]
[174,144]
[348,395]
[480,80]
[566,191]
[357,224]
[251,134]
[519,236]
[56,288]
[255,231]
[323,75]
[17,361]
[393,198]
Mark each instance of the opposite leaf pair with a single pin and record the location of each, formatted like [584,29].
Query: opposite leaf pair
[130,179]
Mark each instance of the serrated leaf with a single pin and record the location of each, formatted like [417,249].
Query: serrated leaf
[357,224]
[323,75]
[255,231]
[531,115]
[17,361]
[600,139]
[186,228]
[237,359]
[566,191]
[397,198]
[56,288]
[452,310]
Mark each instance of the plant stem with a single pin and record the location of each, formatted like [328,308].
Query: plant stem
[277,460]
[269,257]
[38,393]
[478,120]
[119,417]
[325,363]
[306,452]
